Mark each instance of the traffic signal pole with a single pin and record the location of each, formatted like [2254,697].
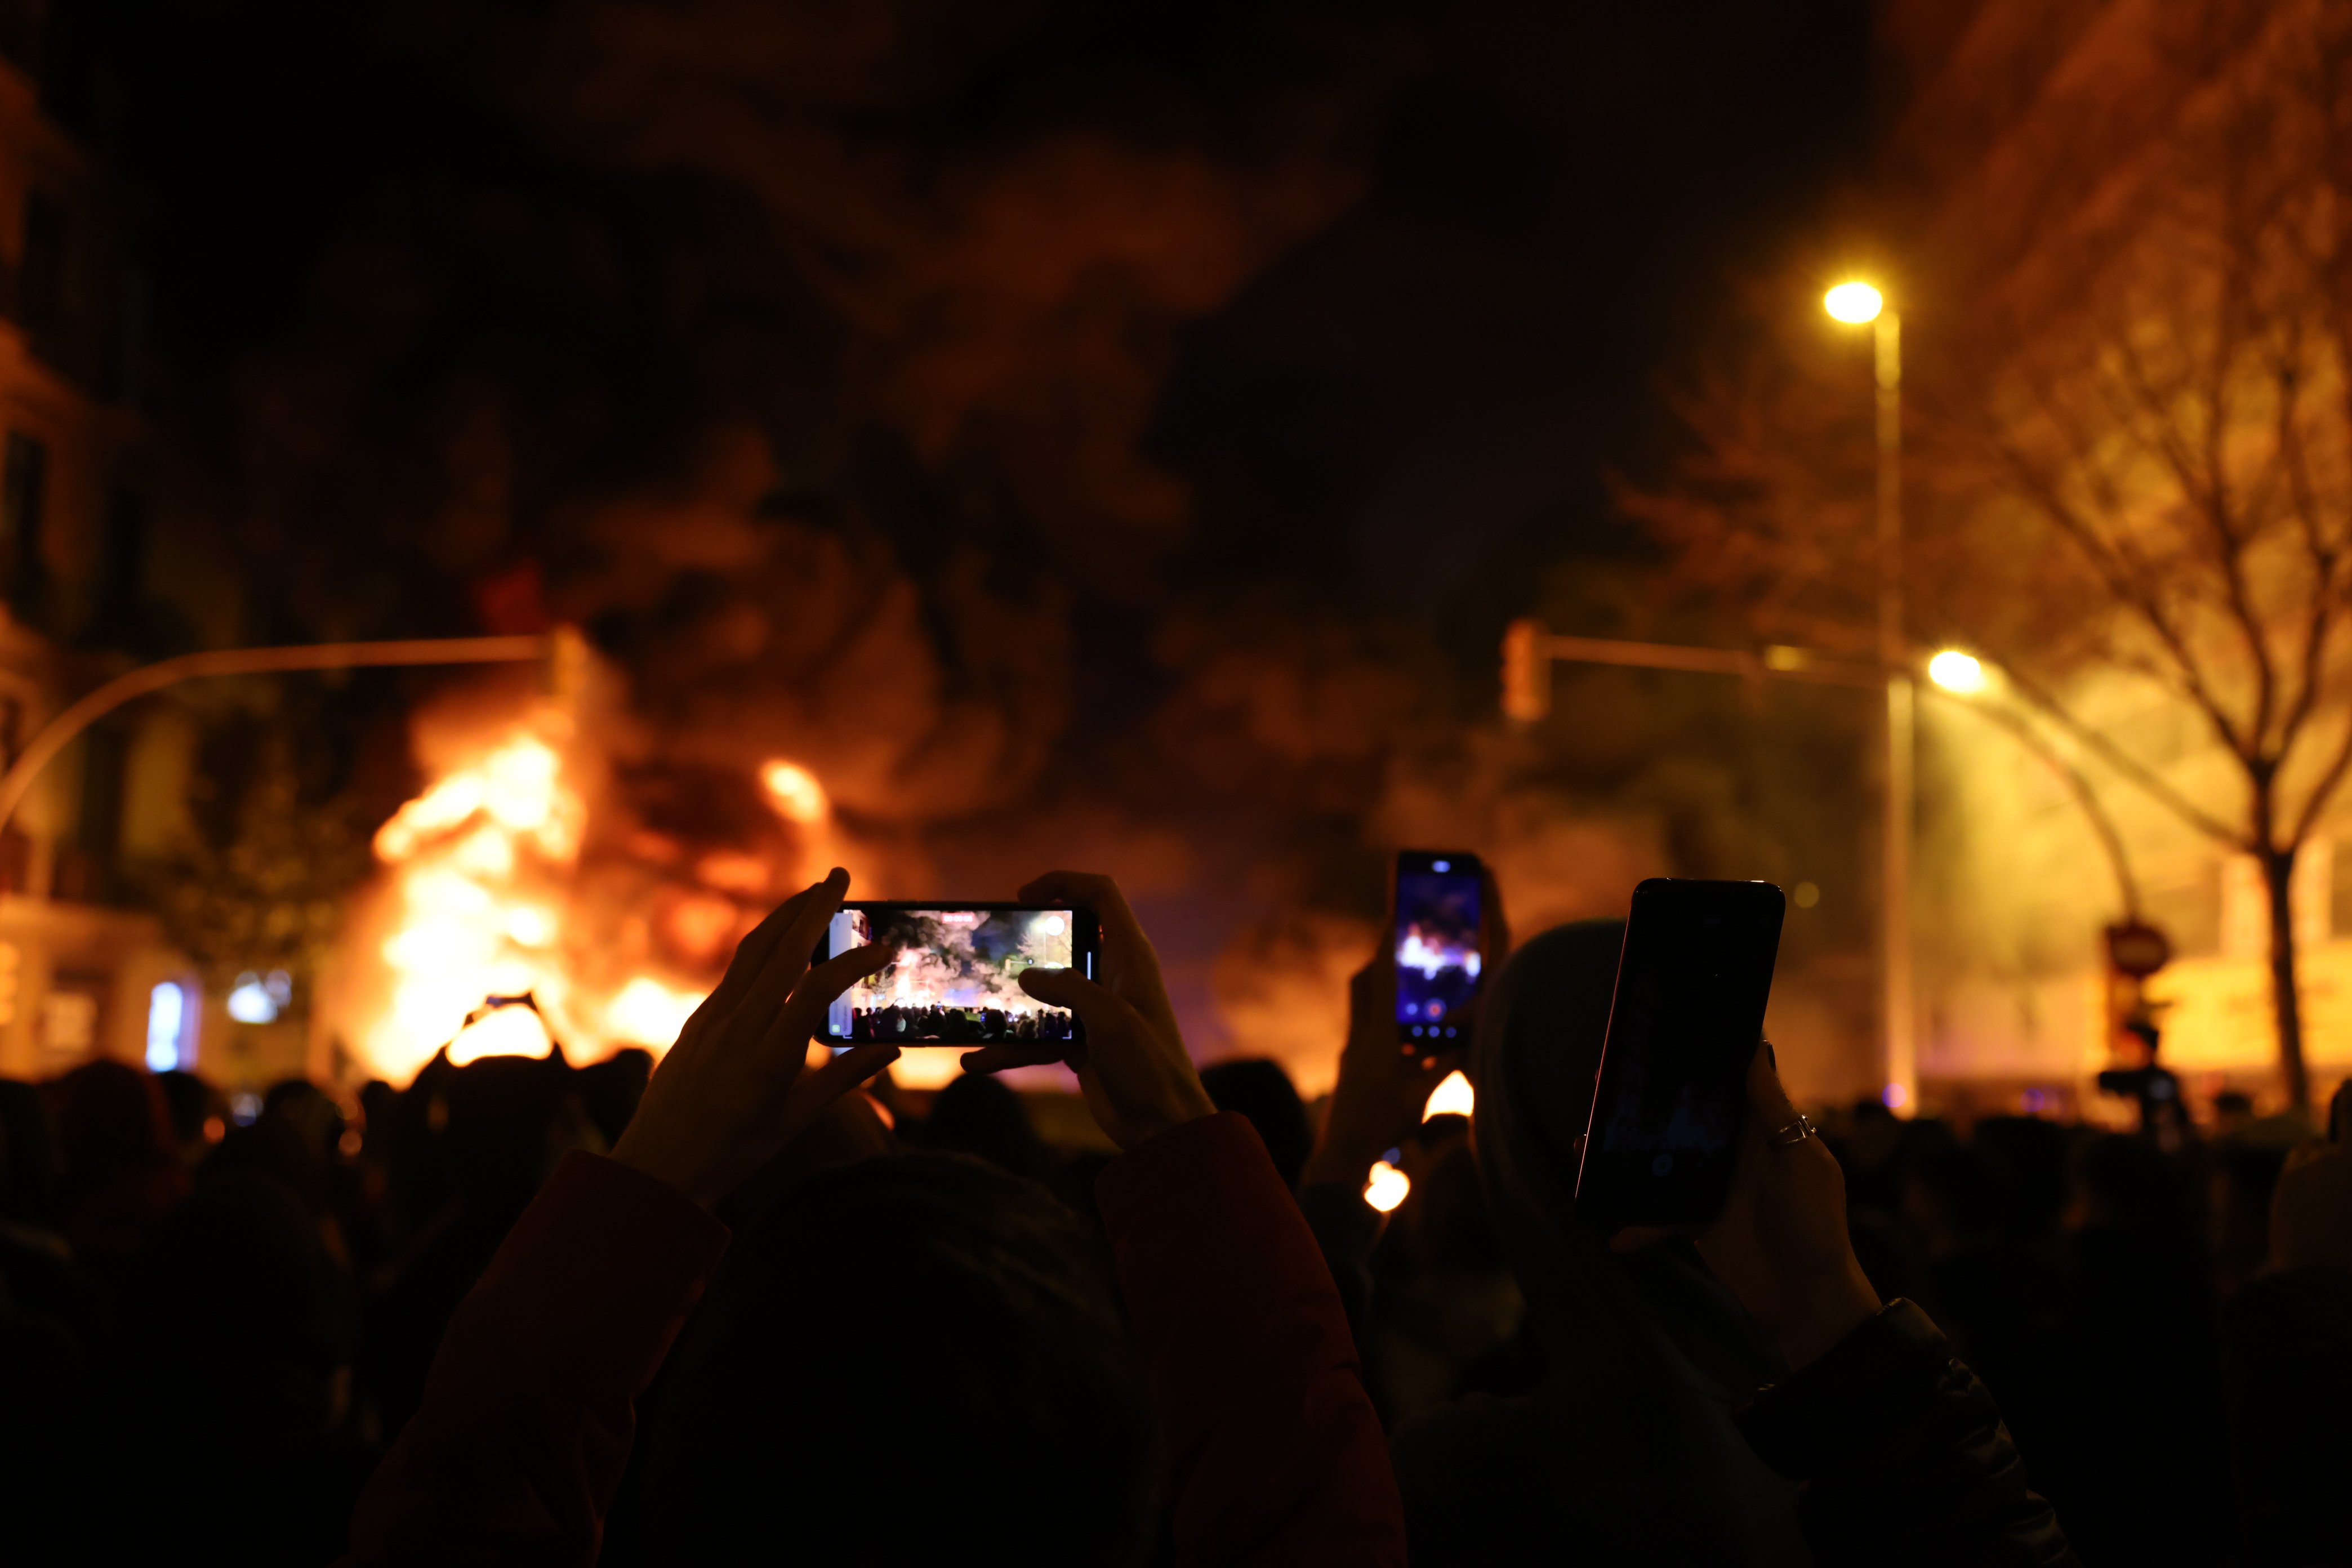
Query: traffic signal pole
[61,731]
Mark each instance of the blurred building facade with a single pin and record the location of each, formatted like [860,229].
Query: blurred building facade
[2023,139]
[82,974]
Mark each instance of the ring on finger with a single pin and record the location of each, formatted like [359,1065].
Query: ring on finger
[1794,1133]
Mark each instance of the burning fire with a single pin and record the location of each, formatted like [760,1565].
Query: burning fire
[487,897]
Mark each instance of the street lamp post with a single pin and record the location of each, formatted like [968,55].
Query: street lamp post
[1859,304]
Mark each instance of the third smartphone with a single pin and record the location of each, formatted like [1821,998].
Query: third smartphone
[1441,933]
[1669,1099]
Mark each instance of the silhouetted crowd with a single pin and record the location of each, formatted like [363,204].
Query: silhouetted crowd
[518,1310]
[895,1022]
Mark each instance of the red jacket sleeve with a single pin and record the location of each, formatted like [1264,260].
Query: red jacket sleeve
[529,1412]
[1278,1454]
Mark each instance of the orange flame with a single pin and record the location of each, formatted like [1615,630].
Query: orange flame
[490,890]
[482,868]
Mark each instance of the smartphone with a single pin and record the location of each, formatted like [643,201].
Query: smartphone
[1440,946]
[957,977]
[1669,1099]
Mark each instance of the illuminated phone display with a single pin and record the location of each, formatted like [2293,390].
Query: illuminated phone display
[1440,945]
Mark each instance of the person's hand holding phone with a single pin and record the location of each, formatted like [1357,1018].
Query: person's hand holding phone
[1138,1079]
[733,1091]
[1377,1099]
[1781,1243]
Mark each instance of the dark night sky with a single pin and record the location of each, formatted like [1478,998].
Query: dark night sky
[1460,356]
[1553,196]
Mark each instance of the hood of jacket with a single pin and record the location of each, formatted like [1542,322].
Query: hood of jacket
[1628,1442]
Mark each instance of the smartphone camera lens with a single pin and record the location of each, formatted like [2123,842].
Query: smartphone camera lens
[1662,1164]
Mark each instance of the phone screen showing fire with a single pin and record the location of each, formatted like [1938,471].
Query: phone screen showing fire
[1436,950]
[957,978]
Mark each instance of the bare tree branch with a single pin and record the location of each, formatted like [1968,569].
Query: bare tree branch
[2146,778]
[2203,484]
[2127,592]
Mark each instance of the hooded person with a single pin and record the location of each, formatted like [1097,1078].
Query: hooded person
[1626,1450]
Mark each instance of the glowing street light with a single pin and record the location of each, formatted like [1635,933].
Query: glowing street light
[1856,304]
[1957,671]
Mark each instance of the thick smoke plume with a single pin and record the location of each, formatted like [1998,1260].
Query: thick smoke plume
[807,358]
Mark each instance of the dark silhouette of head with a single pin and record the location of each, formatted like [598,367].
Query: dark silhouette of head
[112,1122]
[1262,1091]
[31,1168]
[914,1359]
[308,1108]
[191,1103]
[501,1111]
[2127,1185]
[275,1146]
[974,1114]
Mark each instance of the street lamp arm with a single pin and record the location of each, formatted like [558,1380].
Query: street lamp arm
[2130,767]
[60,732]
[1778,661]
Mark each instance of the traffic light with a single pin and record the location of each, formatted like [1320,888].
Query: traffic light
[1527,671]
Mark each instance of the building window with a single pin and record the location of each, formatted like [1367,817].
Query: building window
[121,377]
[69,1023]
[105,762]
[123,567]
[24,495]
[41,268]
[167,1018]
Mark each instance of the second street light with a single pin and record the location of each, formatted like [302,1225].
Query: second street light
[1860,304]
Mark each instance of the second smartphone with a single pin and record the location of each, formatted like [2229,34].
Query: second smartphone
[956,979]
[1670,1100]
[1440,938]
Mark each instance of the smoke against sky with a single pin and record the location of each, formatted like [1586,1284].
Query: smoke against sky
[1109,437]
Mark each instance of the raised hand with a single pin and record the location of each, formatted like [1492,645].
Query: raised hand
[1781,1243]
[1376,1104]
[733,1091]
[1138,1079]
